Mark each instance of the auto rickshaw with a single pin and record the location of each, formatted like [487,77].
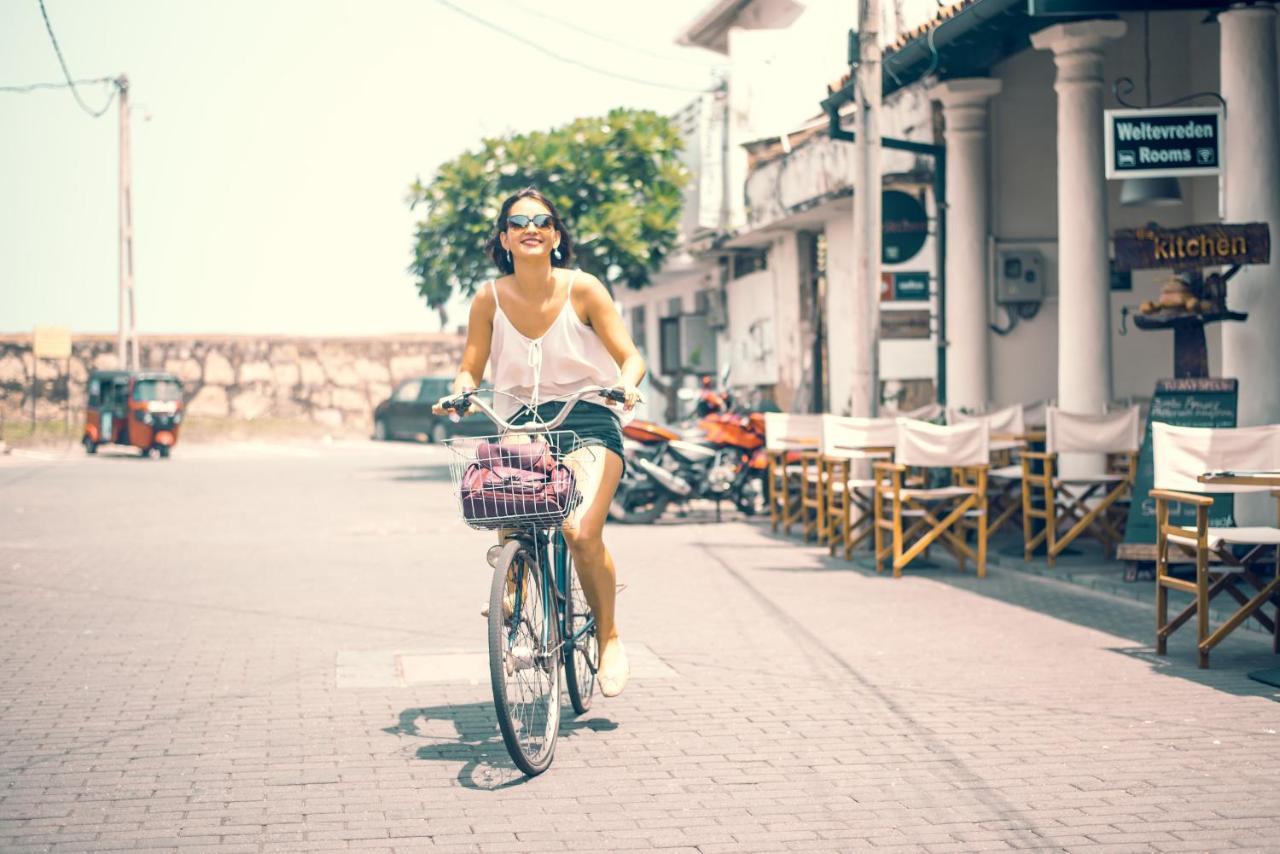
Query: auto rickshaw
[141,409]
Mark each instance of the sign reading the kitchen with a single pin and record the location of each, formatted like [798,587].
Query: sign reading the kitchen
[1192,247]
[1163,142]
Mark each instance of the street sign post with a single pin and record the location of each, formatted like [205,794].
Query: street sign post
[1155,143]
[49,342]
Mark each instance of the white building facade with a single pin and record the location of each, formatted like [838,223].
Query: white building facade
[1017,102]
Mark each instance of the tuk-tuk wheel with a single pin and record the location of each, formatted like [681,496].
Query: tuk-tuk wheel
[164,452]
[90,446]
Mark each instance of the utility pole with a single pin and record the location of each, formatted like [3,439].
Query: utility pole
[127,336]
[865,382]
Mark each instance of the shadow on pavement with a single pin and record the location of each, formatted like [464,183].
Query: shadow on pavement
[1036,589]
[438,473]
[476,741]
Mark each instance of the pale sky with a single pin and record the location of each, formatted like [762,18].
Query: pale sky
[270,177]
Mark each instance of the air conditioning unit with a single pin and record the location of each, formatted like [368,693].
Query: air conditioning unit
[697,343]
[687,344]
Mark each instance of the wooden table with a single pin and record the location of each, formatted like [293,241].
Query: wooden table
[1248,478]
[1242,478]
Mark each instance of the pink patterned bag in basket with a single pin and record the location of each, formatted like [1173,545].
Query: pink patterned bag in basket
[508,484]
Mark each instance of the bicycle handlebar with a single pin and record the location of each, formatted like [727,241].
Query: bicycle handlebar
[460,403]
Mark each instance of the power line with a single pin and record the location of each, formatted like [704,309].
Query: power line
[33,87]
[527,9]
[554,55]
[67,74]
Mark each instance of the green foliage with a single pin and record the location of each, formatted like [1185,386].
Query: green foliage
[616,181]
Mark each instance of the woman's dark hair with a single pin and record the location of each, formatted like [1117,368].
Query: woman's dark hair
[494,246]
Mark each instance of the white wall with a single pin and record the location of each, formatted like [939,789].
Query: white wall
[753,330]
[655,299]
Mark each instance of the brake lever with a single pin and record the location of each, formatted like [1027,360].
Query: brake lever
[617,395]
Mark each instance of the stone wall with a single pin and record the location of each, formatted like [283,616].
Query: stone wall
[333,381]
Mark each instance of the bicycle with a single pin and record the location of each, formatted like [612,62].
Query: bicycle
[539,620]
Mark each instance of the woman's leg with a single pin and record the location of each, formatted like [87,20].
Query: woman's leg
[597,471]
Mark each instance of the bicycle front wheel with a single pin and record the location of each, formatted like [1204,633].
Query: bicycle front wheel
[524,659]
[581,646]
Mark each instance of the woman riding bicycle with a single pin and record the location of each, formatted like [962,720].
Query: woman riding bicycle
[548,331]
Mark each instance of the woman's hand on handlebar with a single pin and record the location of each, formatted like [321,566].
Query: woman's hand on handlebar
[452,404]
[624,393]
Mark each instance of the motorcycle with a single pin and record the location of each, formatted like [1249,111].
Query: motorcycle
[724,460]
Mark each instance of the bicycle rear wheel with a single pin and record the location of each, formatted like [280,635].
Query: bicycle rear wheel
[524,659]
[581,646]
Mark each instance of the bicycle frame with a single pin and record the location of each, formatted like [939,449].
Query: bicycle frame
[553,563]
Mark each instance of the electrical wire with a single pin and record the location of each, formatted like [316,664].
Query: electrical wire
[509,34]
[527,9]
[67,74]
[32,87]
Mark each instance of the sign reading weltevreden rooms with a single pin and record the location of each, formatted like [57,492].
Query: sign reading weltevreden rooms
[1159,142]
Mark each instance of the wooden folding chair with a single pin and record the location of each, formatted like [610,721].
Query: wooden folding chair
[1008,432]
[1096,503]
[1181,455]
[849,445]
[813,490]
[786,437]
[937,514]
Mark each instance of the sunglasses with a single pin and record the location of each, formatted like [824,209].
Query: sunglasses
[522,221]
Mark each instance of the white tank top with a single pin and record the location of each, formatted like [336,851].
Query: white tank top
[568,356]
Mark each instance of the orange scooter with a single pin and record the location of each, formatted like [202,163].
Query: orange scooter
[140,409]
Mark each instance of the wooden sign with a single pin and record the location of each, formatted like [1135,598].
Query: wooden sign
[1190,402]
[899,324]
[52,342]
[1192,247]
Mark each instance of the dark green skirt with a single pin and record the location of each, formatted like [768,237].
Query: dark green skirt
[595,424]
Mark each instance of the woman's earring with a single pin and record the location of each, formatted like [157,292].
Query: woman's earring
[556,253]
[509,261]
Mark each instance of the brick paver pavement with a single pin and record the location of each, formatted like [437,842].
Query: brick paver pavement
[171,633]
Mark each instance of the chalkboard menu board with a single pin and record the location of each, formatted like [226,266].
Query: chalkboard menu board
[1189,402]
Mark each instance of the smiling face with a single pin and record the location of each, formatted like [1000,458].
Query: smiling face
[530,242]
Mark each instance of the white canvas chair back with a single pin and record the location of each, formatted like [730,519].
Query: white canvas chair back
[785,431]
[1181,454]
[1033,414]
[1073,432]
[1000,422]
[842,436]
[934,445]
[927,412]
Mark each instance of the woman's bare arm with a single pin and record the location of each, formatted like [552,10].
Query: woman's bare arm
[607,323]
[475,353]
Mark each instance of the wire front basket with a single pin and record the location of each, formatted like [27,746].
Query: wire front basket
[518,480]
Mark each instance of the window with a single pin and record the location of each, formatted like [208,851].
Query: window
[746,263]
[157,389]
[433,390]
[408,391]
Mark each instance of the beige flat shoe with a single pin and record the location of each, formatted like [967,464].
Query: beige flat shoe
[508,605]
[613,677]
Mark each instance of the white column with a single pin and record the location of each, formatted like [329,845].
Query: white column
[1251,350]
[1084,296]
[964,110]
